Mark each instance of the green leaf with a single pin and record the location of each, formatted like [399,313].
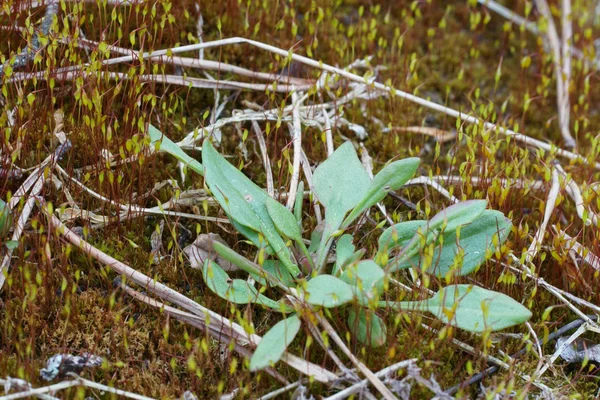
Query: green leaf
[284,220]
[328,291]
[343,251]
[477,242]
[399,235]
[367,327]
[341,181]
[476,309]
[273,344]
[5,219]
[165,144]
[243,263]
[366,280]
[11,244]
[298,203]
[244,202]
[276,269]
[236,291]
[457,214]
[390,178]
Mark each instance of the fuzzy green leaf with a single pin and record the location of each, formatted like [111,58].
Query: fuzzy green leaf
[5,219]
[164,144]
[399,235]
[273,344]
[367,327]
[477,242]
[328,291]
[244,202]
[476,309]
[341,181]
[275,269]
[284,220]
[236,291]
[366,280]
[390,178]
[457,214]
[343,250]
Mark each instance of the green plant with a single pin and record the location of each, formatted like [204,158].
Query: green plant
[5,219]
[454,242]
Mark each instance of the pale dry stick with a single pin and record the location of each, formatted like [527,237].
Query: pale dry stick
[200,30]
[536,243]
[510,15]
[491,359]
[562,93]
[22,385]
[42,390]
[133,210]
[424,180]
[308,175]
[559,294]
[200,323]
[517,183]
[328,133]
[375,381]
[576,248]
[186,81]
[168,294]
[262,145]
[567,38]
[296,129]
[20,226]
[533,28]
[580,331]
[78,381]
[528,141]
[279,391]
[336,360]
[538,348]
[358,387]
[575,193]
[552,289]
[439,135]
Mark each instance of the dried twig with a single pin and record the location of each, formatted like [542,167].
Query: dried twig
[168,294]
[357,387]
[387,394]
[550,204]
[297,140]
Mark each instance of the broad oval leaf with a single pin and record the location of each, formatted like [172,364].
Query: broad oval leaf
[236,291]
[340,182]
[366,280]
[328,291]
[271,347]
[477,242]
[277,270]
[244,202]
[390,178]
[399,235]
[476,309]
[457,214]
[166,145]
[343,251]
[5,219]
[367,327]
[284,220]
